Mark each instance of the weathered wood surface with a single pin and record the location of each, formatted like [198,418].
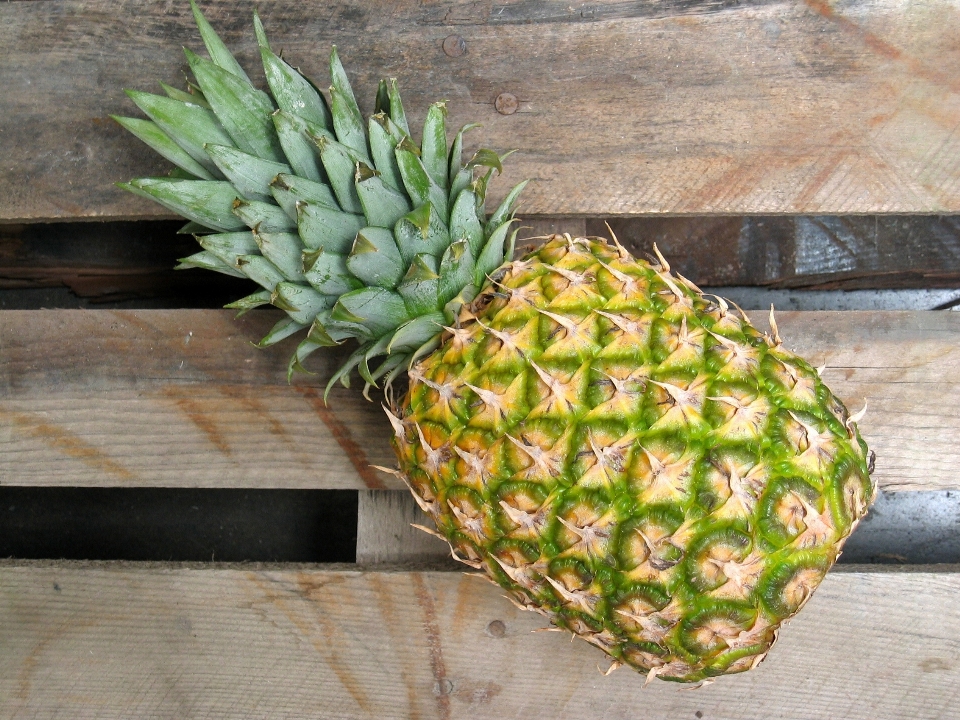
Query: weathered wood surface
[385,532]
[181,399]
[767,106]
[822,252]
[120,641]
[173,399]
[124,261]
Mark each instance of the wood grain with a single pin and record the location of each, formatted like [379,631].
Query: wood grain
[181,399]
[385,532]
[173,399]
[117,641]
[809,252]
[125,262]
[625,108]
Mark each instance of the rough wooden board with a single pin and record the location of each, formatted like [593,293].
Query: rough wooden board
[385,532]
[624,107]
[114,262]
[173,399]
[823,252]
[181,398]
[116,641]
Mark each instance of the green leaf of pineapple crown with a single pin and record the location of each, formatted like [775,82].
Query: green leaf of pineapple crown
[349,227]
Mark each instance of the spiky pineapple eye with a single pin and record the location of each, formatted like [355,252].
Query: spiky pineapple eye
[718,559]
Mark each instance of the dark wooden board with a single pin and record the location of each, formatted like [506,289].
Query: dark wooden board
[624,107]
[110,262]
[822,252]
[181,399]
[131,263]
[118,640]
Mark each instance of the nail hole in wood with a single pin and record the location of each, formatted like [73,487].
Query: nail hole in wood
[454,46]
[506,103]
[496,629]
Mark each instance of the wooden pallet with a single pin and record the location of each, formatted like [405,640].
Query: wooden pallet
[706,109]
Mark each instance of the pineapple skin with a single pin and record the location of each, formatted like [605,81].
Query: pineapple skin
[632,460]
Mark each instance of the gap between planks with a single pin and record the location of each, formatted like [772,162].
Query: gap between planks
[78,264]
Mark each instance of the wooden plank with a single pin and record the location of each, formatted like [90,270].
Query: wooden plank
[385,532]
[113,640]
[174,399]
[181,399]
[110,262]
[766,106]
[810,252]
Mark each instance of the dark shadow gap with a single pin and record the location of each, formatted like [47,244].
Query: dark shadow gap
[178,524]
[911,528]
[908,528]
[130,265]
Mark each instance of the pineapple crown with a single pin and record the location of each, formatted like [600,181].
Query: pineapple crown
[351,228]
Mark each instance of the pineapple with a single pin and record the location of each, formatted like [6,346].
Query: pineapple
[623,454]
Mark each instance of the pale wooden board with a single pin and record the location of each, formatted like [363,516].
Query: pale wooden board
[174,399]
[624,107]
[121,641]
[181,399]
[386,532]
[906,367]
